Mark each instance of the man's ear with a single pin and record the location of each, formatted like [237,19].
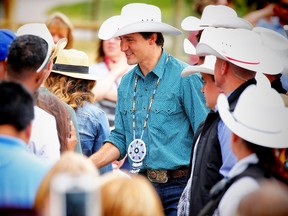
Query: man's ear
[27,133]
[224,67]
[42,75]
[153,38]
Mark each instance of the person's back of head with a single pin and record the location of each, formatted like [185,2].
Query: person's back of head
[124,195]
[70,163]
[26,55]
[16,106]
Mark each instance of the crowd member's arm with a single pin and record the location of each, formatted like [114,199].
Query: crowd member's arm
[103,88]
[72,139]
[256,15]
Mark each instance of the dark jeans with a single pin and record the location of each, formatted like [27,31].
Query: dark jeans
[170,194]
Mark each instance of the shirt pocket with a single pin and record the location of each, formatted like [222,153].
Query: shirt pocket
[126,112]
[166,105]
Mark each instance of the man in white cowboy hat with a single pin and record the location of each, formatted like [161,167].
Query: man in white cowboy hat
[214,154]
[41,30]
[259,126]
[157,111]
[206,155]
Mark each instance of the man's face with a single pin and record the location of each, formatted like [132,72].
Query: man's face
[135,47]
[210,90]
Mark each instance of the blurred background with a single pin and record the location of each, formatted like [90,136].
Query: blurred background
[87,15]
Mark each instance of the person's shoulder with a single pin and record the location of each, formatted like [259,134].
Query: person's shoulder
[90,109]
[99,69]
[42,115]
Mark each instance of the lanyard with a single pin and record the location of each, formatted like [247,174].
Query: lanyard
[134,108]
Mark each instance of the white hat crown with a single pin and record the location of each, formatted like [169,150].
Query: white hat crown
[135,17]
[241,47]
[215,16]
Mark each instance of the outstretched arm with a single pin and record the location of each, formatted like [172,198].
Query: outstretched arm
[106,154]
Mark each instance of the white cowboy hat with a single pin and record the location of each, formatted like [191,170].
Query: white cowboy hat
[189,48]
[207,67]
[73,63]
[241,47]
[260,115]
[135,17]
[41,30]
[276,42]
[215,16]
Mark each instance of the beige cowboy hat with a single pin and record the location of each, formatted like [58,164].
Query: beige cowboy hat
[241,47]
[260,115]
[73,63]
[135,17]
[41,30]
[215,16]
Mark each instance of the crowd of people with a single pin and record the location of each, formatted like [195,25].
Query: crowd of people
[141,132]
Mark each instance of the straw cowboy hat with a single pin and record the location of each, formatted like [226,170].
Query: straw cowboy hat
[41,30]
[260,115]
[241,47]
[215,16]
[135,17]
[73,63]
[276,42]
[207,67]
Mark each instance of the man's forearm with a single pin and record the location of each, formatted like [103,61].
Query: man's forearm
[105,155]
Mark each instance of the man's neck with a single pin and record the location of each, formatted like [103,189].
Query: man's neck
[148,64]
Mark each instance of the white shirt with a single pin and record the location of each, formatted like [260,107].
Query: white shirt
[229,203]
[44,141]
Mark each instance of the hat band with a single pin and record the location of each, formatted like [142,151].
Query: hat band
[71,68]
[243,62]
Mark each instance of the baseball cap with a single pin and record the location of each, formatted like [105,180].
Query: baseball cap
[6,38]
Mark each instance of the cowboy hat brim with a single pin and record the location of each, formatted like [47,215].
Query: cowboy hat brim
[78,75]
[111,28]
[192,23]
[194,69]
[271,139]
[207,67]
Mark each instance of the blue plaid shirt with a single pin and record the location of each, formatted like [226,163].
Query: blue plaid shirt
[177,110]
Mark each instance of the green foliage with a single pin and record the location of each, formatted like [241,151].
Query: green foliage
[107,8]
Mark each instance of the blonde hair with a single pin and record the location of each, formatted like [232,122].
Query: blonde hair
[72,91]
[70,162]
[122,195]
[60,19]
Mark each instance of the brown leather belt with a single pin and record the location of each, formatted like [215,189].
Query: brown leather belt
[162,176]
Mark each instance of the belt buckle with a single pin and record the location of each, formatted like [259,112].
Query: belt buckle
[157,176]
